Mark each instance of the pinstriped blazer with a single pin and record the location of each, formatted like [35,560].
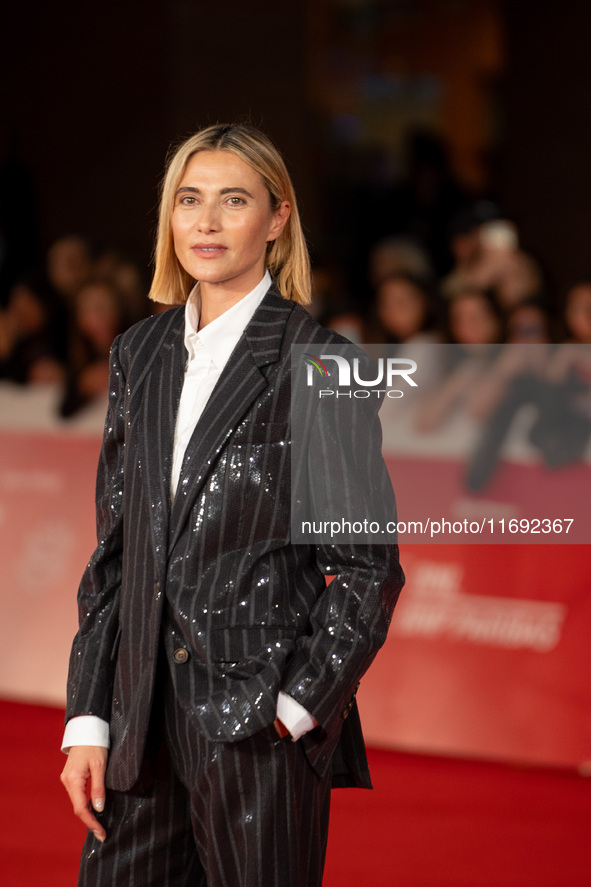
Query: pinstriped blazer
[214,572]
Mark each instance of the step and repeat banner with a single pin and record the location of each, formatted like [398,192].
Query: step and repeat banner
[488,653]
[489,451]
[47,474]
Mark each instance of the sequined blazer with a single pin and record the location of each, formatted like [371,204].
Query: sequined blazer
[214,574]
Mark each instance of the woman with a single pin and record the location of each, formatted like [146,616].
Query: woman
[405,311]
[207,639]
[98,316]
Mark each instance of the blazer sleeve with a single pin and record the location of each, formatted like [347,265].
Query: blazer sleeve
[93,656]
[349,620]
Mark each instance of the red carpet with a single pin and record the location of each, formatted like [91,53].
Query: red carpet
[430,822]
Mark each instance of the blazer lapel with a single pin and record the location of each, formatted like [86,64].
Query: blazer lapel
[238,387]
[160,402]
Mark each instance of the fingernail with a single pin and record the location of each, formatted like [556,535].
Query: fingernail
[98,836]
[99,804]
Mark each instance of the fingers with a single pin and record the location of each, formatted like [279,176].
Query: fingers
[84,768]
[97,783]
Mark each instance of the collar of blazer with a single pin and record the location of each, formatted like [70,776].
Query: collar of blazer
[240,383]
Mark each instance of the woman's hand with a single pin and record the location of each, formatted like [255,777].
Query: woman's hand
[87,762]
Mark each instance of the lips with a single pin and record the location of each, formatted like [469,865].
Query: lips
[208,250]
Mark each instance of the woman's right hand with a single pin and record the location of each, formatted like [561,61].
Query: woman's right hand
[85,769]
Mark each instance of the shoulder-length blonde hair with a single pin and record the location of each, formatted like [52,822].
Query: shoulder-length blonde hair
[287,257]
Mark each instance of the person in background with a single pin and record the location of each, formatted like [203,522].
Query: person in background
[331,304]
[69,266]
[98,317]
[497,263]
[397,255]
[577,313]
[112,266]
[404,311]
[30,334]
[465,244]
[474,317]
[529,323]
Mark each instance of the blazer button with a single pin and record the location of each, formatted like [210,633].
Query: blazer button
[180,656]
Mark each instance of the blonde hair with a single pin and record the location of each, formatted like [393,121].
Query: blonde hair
[287,257]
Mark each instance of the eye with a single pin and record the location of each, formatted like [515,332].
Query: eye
[187,200]
[236,201]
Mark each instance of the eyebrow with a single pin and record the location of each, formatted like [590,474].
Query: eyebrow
[188,189]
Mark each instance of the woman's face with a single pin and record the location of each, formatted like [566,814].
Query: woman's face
[578,312]
[401,308]
[27,311]
[472,320]
[68,265]
[528,325]
[222,221]
[97,314]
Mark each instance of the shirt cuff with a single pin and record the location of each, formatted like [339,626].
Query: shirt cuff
[86,730]
[294,716]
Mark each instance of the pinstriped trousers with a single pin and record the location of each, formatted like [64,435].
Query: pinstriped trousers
[251,813]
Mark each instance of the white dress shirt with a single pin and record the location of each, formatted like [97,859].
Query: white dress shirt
[209,350]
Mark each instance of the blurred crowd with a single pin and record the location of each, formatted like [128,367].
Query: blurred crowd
[493,293]
[438,262]
[57,322]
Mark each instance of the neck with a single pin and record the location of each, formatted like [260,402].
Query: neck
[216,299]
[214,304]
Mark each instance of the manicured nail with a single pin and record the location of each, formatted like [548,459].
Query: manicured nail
[99,804]
[98,836]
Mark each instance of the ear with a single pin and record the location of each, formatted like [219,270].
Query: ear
[280,217]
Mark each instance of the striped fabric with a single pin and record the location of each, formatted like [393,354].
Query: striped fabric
[214,574]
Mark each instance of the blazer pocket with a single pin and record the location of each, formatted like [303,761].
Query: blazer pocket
[245,651]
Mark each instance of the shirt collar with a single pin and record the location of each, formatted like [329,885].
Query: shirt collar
[221,336]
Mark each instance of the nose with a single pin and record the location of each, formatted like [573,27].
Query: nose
[208,218]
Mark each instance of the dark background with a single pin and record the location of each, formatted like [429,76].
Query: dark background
[93,96]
